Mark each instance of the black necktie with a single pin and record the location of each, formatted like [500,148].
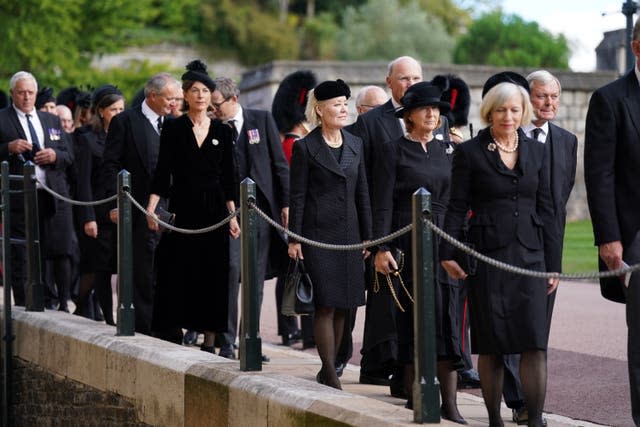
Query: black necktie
[159,124]
[234,130]
[34,138]
[535,133]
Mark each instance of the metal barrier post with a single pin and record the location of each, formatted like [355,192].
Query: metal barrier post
[426,397]
[250,341]
[34,288]
[126,311]
[7,337]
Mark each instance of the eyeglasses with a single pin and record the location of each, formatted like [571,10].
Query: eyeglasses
[217,105]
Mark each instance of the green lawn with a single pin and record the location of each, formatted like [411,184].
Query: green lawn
[579,254]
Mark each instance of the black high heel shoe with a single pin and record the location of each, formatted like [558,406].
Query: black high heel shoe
[445,416]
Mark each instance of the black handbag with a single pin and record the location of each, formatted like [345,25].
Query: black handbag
[165,216]
[297,297]
[394,280]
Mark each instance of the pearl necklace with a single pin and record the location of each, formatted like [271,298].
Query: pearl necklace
[503,148]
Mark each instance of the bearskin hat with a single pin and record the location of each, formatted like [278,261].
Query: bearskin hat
[290,99]
[455,92]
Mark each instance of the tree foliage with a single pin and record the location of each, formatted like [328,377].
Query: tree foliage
[508,40]
[383,29]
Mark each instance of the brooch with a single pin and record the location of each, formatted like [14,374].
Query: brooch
[491,146]
[54,134]
[254,136]
[449,149]
[439,137]
[215,141]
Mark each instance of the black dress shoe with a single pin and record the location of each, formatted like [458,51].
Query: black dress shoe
[208,348]
[190,338]
[227,352]
[340,369]
[292,338]
[468,379]
[397,390]
[375,379]
[265,358]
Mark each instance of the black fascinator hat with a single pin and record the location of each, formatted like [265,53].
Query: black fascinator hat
[331,89]
[456,92]
[73,97]
[420,95]
[197,71]
[44,95]
[290,100]
[505,77]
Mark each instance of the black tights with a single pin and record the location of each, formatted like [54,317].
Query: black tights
[61,268]
[101,283]
[448,379]
[328,325]
[533,375]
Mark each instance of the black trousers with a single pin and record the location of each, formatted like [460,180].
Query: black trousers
[631,255]
[145,242]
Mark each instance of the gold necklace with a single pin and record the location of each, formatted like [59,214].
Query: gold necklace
[503,148]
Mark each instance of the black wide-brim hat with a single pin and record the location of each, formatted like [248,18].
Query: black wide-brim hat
[505,77]
[331,89]
[422,94]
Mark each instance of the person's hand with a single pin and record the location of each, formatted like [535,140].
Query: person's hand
[91,229]
[611,254]
[152,221]
[113,215]
[234,228]
[366,252]
[19,146]
[295,251]
[46,156]
[552,285]
[385,263]
[453,269]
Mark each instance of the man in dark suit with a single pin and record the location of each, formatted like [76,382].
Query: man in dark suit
[612,174]
[133,143]
[561,157]
[28,134]
[260,157]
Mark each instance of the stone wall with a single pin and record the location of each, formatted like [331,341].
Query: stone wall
[41,398]
[260,84]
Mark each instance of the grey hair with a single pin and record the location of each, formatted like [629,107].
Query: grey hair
[543,77]
[158,82]
[400,59]
[501,93]
[227,87]
[21,75]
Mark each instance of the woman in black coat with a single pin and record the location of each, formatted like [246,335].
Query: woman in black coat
[97,235]
[196,171]
[419,159]
[500,176]
[329,202]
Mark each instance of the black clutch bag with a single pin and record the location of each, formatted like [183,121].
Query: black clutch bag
[297,297]
[165,216]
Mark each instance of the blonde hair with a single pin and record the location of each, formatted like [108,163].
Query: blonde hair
[310,111]
[501,93]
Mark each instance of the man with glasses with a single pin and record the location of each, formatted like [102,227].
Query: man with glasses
[260,157]
[370,97]
[133,143]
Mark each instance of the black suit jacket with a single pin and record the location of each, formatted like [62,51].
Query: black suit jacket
[502,210]
[611,165]
[127,148]
[54,137]
[562,148]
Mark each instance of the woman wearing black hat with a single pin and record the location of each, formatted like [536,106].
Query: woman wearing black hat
[196,171]
[500,176]
[329,202]
[96,235]
[418,159]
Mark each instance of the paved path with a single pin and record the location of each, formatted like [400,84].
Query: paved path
[587,358]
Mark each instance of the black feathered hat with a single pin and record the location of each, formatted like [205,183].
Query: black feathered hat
[456,92]
[197,71]
[44,95]
[73,97]
[505,77]
[290,100]
[4,100]
[331,89]
[103,91]
[420,95]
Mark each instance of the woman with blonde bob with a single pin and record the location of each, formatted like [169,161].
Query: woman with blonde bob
[329,202]
[500,176]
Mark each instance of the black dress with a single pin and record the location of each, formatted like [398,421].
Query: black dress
[192,269]
[513,221]
[403,169]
